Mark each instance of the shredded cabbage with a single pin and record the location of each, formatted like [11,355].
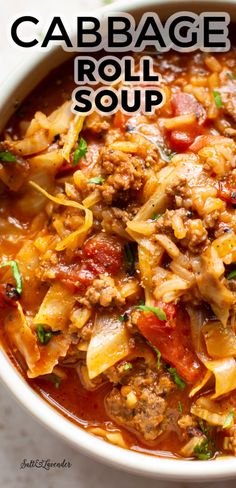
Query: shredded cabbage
[220,340]
[75,128]
[108,345]
[56,307]
[75,239]
[210,411]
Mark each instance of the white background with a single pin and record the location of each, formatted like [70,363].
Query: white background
[20,436]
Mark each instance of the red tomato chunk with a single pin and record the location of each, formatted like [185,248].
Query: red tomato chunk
[172,338]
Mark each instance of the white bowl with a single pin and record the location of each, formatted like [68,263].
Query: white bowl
[16,87]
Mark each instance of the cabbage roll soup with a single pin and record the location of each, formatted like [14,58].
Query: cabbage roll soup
[118,259]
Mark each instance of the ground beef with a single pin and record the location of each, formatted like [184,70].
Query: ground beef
[104,292]
[211,220]
[115,220]
[194,236]
[97,123]
[122,172]
[197,236]
[180,192]
[140,404]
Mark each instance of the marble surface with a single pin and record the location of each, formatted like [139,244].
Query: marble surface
[21,437]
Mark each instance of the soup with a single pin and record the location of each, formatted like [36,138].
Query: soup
[118,251]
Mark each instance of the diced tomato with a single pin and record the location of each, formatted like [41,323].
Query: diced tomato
[172,338]
[76,278]
[184,103]
[180,140]
[64,169]
[170,310]
[227,190]
[104,254]
[100,254]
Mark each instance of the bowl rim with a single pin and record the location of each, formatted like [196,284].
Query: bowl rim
[171,469]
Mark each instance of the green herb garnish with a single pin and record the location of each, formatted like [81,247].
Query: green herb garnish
[97,180]
[176,378]
[229,420]
[202,450]
[53,378]
[158,353]
[156,216]
[130,250]
[124,317]
[231,75]
[127,366]
[44,335]
[80,151]
[218,100]
[180,407]
[7,157]
[56,381]
[160,314]
[203,427]
[16,274]
[231,275]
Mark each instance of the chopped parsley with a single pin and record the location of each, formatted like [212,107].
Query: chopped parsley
[7,157]
[158,353]
[16,274]
[231,75]
[160,314]
[180,407]
[203,427]
[80,151]
[231,275]
[124,317]
[156,216]
[130,251]
[176,378]
[44,335]
[202,450]
[218,100]
[97,180]
[56,381]
[229,419]
[127,366]
[53,378]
